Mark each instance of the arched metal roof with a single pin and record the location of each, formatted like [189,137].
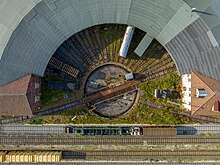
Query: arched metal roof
[33,30]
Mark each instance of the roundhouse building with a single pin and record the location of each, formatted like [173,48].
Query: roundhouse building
[32,30]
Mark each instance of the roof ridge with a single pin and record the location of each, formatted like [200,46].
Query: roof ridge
[204,103]
[29,107]
[211,92]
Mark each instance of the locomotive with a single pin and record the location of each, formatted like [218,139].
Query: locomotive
[105,130]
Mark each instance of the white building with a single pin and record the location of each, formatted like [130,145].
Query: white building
[129,76]
[186,91]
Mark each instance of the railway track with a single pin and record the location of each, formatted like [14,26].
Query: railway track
[107,94]
[159,73]
[104,162]
[49,111]
[186,114]
[198,118]
[116,140]
[112,92]
[58,108]
[140,154]
[60,129]
[97,97]
[147,76]
[156,66]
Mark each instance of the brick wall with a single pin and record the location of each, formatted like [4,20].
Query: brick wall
[34,92]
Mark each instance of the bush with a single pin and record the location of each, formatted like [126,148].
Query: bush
[37,121]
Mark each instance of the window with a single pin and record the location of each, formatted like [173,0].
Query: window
[37,98]
[37,85]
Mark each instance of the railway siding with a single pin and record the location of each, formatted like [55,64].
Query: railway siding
[143,154]
[59,140]
[208,129]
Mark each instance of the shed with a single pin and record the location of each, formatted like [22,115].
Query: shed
[129,76]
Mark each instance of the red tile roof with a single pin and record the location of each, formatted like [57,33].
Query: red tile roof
[19,86]
[203,106]
[15,105]
[13,98]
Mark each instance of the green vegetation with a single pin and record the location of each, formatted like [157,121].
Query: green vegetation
[110,31]
[37,121]
[53,97]
[141,114]
[146,115]
[112,37]
[170,81]
[46,94]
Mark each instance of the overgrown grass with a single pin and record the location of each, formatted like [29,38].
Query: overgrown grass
[110,32]
[46,94]
[37,121]
[171,81]
[139,115]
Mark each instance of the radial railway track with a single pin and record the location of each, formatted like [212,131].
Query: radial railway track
[60,140]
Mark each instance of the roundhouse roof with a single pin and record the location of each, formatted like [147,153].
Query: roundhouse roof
[32,30]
